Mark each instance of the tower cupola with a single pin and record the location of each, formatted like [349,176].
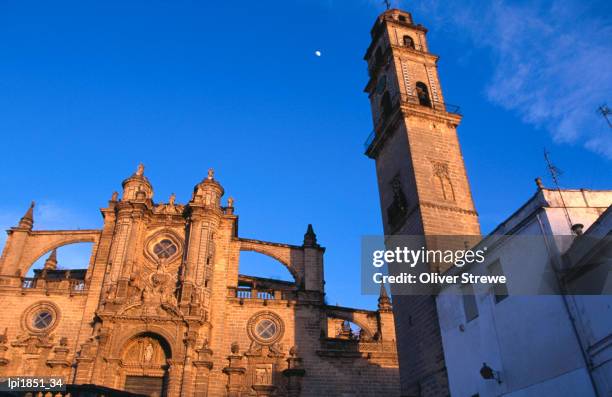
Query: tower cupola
[208,192]
[137,187]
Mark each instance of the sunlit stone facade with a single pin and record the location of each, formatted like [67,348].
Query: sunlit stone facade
[162,309]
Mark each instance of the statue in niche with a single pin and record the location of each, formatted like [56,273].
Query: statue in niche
[148,352]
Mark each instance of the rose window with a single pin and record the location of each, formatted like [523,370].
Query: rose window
[265,328]
[164,249]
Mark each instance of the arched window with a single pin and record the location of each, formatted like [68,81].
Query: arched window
[423,94]
[385,104]
[408,42]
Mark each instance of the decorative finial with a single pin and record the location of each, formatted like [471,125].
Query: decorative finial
[539,183]
[140,170]
[172,199]
[114,196]
[27,221]
[51,262]
[384,303]
[310,238]
[230,202]
[211,174]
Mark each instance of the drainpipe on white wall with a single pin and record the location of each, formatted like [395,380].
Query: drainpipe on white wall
[556,266]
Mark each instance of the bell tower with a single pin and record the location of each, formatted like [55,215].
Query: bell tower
[422,181]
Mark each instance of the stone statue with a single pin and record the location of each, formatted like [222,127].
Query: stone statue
[148,352]
[172,199]
[115,196]
[211,173]
[230,202]
[140,170]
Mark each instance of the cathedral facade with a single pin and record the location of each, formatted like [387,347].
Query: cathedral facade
[163,310]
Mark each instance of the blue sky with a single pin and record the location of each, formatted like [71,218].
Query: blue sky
[88,90]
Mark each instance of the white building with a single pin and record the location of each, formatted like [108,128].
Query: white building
[538,345]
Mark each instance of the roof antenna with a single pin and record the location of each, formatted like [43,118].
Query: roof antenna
[605,111]
[387,3]
[554,174]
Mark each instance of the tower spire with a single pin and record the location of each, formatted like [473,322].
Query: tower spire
[384,303]
[51,262]
[310,238]
[27,221]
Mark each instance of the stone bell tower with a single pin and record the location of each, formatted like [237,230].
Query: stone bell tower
[422,180]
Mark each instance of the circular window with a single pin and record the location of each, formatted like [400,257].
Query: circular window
[40,317]
[42,320]
[164,249]
[265,328]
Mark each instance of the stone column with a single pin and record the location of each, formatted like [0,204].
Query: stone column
[112,373]
[202,366]
[84,364]
[174,377]
[294,374]
[235,372]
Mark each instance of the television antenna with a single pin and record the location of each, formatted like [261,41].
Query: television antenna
[605,111]
[554,174]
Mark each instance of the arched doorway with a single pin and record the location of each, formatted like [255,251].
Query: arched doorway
[144,362]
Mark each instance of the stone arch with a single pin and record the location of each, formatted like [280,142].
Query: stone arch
[164,336]
[285,254]
[357,317]
[144,364]
[163,344]
[40,243]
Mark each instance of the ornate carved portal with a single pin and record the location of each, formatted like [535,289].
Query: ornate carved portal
[144,365]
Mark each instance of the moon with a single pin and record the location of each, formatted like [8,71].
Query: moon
[318,53]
